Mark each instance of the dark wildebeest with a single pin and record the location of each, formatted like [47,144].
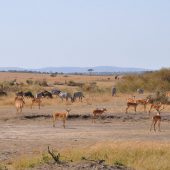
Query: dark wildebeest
[3,93]
[21,94]
[55,92]
[39,95]
[113,91]
[28,94]
[117,77]
[65,95]
[79,95]
[44,94]
[48,94]
[140,91]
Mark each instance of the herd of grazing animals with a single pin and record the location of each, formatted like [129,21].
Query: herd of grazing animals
[131,103]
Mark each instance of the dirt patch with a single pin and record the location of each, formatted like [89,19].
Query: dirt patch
[86,165]
[103,117]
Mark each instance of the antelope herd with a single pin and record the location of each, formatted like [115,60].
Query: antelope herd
[132,102]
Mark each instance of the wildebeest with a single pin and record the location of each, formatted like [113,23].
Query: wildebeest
[44,94]
[117,77]
[65,95]
[78,95]
[113,91]
[19,103]
[28,94]
[140,91]
[55,91]
[48,94]
[21,93]
[3,93]
[39,95]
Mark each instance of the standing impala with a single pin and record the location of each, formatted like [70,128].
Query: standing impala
[97,112]
[157,107]
[36,100]
[156,119]
[60,115]
[19,103]
[131,102]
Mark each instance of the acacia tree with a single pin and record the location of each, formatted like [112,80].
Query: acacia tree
[90,71]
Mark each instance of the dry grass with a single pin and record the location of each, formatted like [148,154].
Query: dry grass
[137,155]
[113,104]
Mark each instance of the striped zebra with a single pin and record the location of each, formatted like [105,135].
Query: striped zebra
[78,95]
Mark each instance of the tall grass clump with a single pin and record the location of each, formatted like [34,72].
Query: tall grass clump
[149,81]
[148,156]
[136,155]
[92,87]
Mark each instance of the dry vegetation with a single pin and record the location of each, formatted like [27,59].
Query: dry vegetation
[137,155]
[97,91]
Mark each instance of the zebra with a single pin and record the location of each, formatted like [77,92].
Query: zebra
[65,95]
[140,91]
[78,95]
[113,91]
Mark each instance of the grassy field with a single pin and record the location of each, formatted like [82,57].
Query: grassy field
[123,140]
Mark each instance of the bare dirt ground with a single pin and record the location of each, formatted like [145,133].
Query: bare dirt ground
[32,131]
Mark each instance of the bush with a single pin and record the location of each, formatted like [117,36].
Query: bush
[151,81]
[29,82]
[94,88]
[73,83]
[41,83]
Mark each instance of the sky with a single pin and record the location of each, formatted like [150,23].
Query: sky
[125,33]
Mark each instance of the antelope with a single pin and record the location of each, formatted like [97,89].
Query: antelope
[131,102]
[61,115]
[36,100]
[156,119]
[97,112]
[157,107]
[143,102]
[168,94]
[19,103]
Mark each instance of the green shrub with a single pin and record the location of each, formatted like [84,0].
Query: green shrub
[150,81]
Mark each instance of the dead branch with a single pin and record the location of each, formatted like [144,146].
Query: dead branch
[55,157]
[98,161]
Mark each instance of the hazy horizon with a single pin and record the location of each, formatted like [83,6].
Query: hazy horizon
[39,33]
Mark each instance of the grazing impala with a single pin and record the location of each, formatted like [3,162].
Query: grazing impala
[36,100]
[97,112]
[19,103]
[60,115]
[157,107]
[156,119]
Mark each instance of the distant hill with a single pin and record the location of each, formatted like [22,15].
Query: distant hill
[98,69]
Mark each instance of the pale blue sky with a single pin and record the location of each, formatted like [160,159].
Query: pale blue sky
[127,33]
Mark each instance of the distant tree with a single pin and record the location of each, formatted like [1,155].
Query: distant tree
[90,71]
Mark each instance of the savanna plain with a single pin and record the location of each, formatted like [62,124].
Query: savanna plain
[122,140]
